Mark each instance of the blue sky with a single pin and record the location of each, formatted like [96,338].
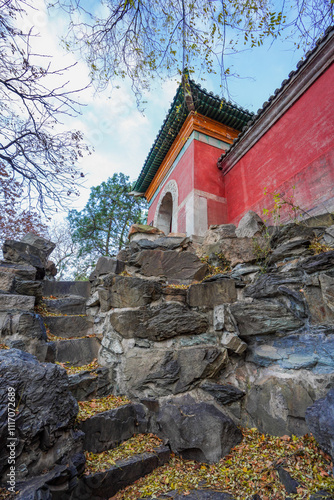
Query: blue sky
[122,136]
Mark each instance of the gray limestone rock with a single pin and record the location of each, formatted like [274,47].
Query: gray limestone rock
[232,341]
[250,225]
[236,250]
[212,293]
[16,302]
[320,420]
[263,317]
[197,431]
[216,233]
[24,272]
[170,264]
[22,325]
[169,371]
[46,412]
[20,252]
[159,322]
[223,319]
[125,291]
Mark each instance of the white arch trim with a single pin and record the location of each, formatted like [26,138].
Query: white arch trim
[170,187]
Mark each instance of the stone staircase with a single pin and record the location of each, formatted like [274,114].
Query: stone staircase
[76,347]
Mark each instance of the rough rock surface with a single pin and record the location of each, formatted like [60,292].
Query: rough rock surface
[212,293]
[170,264]
[169,371]
[106,430]
[106,265]
[197,431]
[124,291]
[102,485]
[46,411]
[320,420]
[250,225]
[160,322]
[263,317]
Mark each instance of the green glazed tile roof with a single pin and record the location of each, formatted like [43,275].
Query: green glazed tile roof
[205,103]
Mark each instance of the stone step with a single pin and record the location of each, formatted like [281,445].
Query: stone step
[77,352]
[91,384]
[73,304]
[65,288]
[103,485]
[69,326]
[106,430]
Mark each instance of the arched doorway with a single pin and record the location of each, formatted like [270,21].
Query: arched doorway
[165,214]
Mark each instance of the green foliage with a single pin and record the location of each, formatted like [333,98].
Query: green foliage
[145,39]
[283,204]
[101,228]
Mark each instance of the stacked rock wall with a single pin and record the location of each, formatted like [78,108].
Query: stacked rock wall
[257,338]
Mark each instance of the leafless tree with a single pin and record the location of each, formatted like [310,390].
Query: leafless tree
[34,151]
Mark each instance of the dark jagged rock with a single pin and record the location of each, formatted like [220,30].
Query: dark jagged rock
[91,384]
[22,325]
[224,394]
[161,243]
[65,288]
[69,326]
[32,250]
[267,285]
[24,272]
[288,482]
[293,232]
[290,249]
[320,420]
[46,411]
[263,317]
[73,304]
[124,291]
[158,323]
[56,484]
[77,351]
[44,245]
[197,431]
[108,429]
[169,264]
[316,263]
[212,293]
[170,371]
[102,485]
[322,495]
[106,265]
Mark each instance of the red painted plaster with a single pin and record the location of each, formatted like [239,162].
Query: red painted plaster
[183,174]
[207,177]
[297,150]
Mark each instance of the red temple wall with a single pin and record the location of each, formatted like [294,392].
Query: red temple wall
[183,174]
[297,151]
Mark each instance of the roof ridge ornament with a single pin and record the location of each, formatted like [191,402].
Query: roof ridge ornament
[187,91]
